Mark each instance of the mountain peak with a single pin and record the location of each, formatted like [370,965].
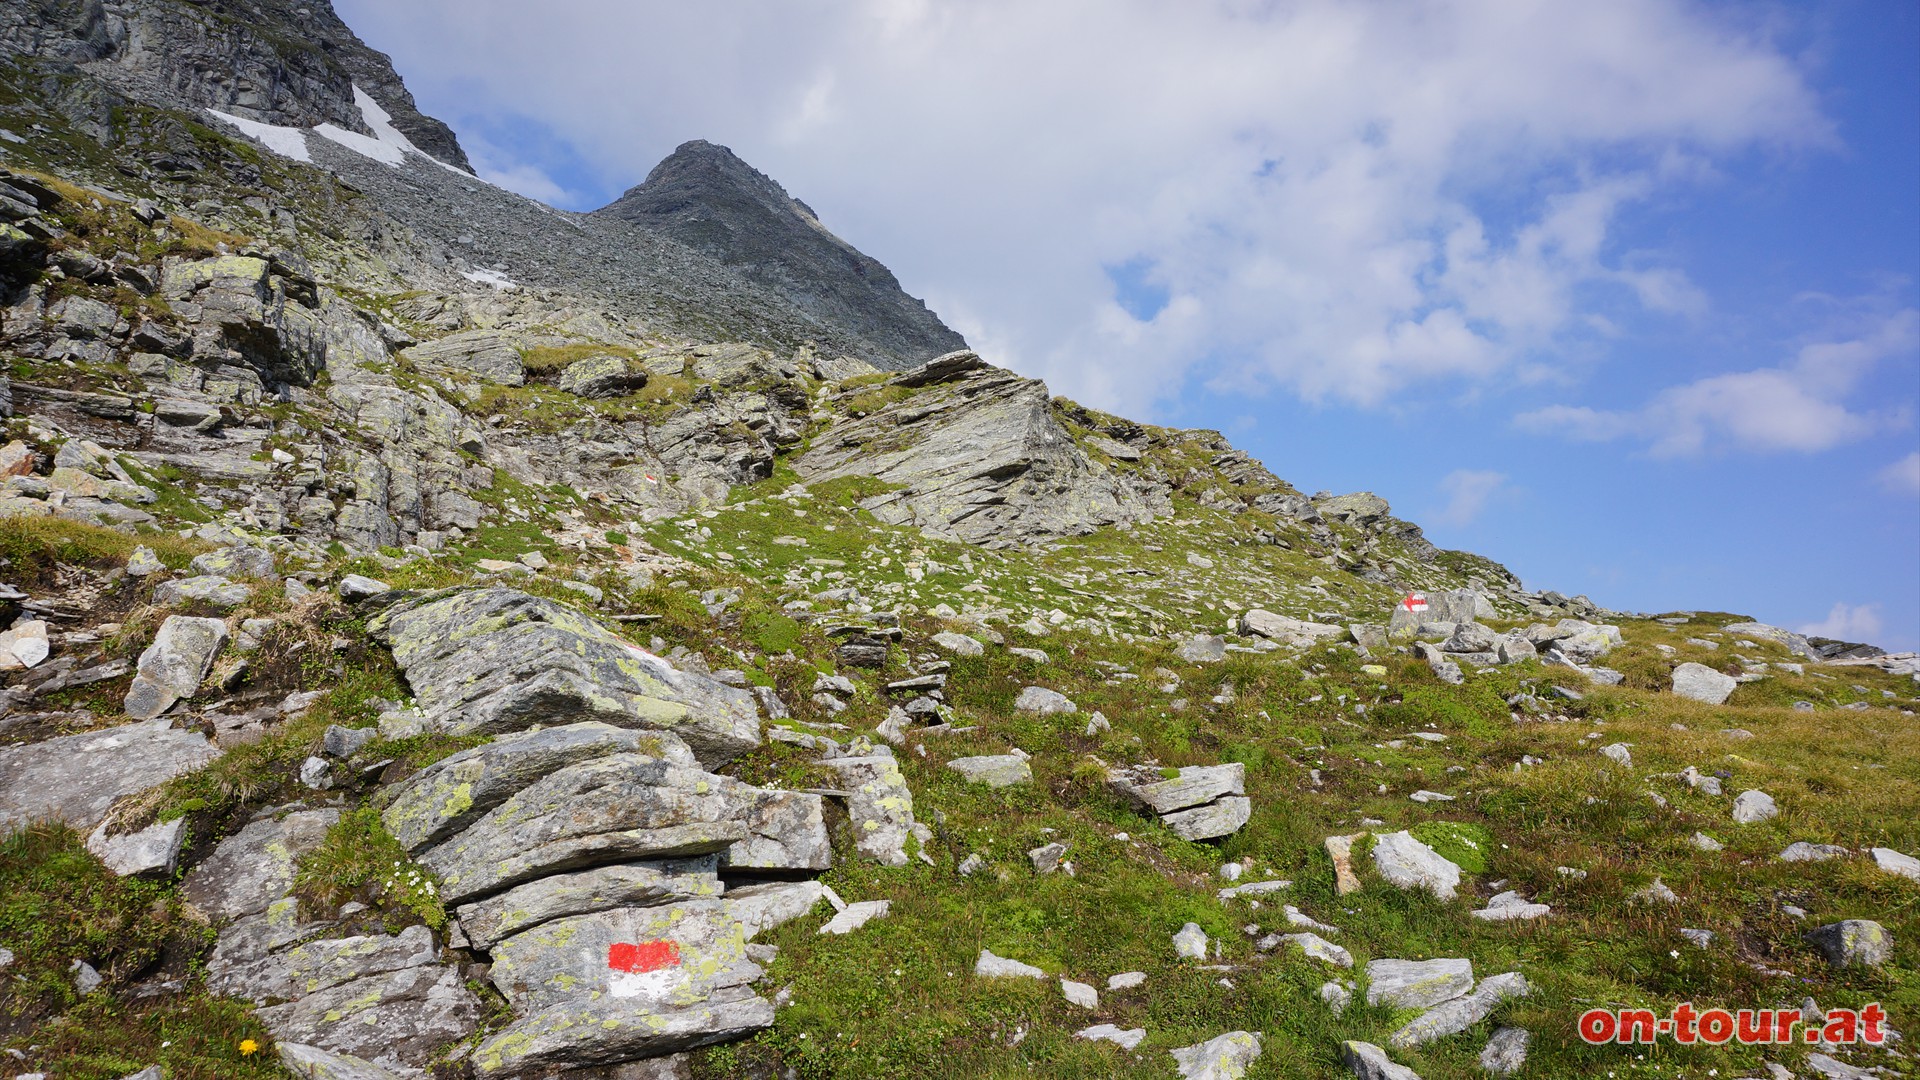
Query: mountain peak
[706,196]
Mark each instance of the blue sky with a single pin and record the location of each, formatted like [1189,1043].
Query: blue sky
[1621,295]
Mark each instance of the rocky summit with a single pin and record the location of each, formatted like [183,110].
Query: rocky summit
[445,636]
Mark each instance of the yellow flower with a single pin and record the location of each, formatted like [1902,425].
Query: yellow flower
[248,1046]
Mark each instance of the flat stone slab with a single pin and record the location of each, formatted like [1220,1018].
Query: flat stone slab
[637,884]
[855,916]
[76,779]
[994,770]
[989,966]
[497,660]
[1417,984]
[400,1020]
[1125,1038]
[1039,699]
[618,808]
[456,791]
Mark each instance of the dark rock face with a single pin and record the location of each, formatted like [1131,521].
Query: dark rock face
[288,62]
[708,199]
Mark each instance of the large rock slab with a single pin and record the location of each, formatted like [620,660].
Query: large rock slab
[486,354]
[456,791]
[582,892]
[786,831]
[1701,683]
[313,1063]
[76,779]
[617,808]
[153,850]
[498,660]
[1787,639]
[319,965]
[879,805]
[979,457]
[635,981]
[254,867]
[173,666]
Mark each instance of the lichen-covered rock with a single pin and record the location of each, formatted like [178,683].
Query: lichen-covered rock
[254,867]
[1223,1057]
[1853,943]
[236,561]
[486,354]
[638,884]
[1417,984]
[1288,631]
[498,660]
[456,791]
[879,804]
[609,1030]
[172,667]
[77,778]
[403,1019]
[152,850]
[994,770]
[1458,1014]
[1369,1062]
[204,588]
[616,808]
[313,1063]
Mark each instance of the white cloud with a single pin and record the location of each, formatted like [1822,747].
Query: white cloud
[1847,622]
[1468,491]
[1344,199]
[1903,476]
[1798,406]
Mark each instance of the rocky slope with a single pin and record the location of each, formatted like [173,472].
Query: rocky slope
[444,636]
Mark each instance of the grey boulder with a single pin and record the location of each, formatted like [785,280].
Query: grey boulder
[255,866]
[1407,863]
[1459,1014]
[1506,1051]
[1288,631]
[1699,682]
[173,666]
[1369,1062]
[601,377]
[879,806]
[1417,984]
[153,850]
[1039,699]
[1223,1057]
[1853,943]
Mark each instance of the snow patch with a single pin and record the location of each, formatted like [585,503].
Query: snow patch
[380,122]
[288,142]
[386,153]
[494,278]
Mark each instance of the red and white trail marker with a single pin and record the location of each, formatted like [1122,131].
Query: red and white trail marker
[642,968]
[1414,602]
